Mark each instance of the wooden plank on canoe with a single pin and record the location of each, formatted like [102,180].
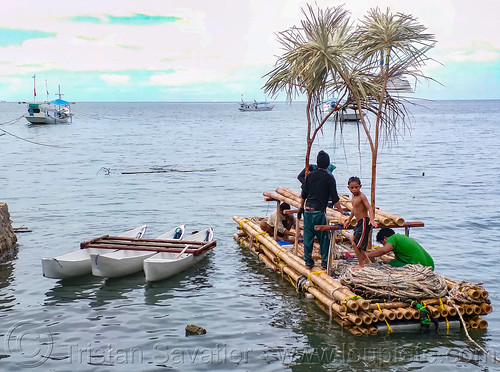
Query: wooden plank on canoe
[195,247]
[124,241]
[83,244]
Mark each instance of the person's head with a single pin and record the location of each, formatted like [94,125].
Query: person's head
[323,160]
[354,185]
[284,207]
[383,234]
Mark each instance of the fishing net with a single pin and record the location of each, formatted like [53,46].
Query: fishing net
[410,282]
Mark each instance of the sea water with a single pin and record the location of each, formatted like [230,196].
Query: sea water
[71,182]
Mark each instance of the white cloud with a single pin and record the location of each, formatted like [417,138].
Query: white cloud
[115,79]
[216,40]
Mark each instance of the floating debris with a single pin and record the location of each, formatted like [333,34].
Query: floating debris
[193,329]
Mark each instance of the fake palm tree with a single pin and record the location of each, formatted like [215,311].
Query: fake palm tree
[327,56]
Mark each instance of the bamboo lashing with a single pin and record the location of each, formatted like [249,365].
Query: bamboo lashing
[276,249]
[338,309]
[357,315]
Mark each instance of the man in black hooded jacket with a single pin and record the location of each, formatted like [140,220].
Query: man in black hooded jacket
[319,187]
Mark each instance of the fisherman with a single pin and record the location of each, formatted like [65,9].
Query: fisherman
[285,223]
[363,212]
[406,250]
[318,188]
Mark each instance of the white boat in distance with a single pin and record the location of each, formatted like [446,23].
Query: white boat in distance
[164,265]
[255,106]
[78,262]
[53,112]
[346,113]
[125,262]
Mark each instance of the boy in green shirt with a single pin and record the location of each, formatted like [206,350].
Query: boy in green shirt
[406,250]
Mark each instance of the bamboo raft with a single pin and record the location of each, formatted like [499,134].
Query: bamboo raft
[155,245]
[349,298]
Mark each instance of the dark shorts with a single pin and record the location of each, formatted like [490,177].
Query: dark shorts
[362,233]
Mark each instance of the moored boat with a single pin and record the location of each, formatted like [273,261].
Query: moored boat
[255,106]
[163,265]
[78,262]
[123,262]
[53,112]
[346,112]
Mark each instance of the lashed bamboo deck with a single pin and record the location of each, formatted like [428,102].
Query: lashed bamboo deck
[355,308]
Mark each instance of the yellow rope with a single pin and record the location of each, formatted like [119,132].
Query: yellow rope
[446,318]
[314,273]
[278,256]
[241,223]
[389,329]
[261,233]
[292,281]
[347,299]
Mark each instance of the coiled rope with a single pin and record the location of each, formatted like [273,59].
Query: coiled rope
[410,281]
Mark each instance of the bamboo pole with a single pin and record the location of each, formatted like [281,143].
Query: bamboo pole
[365,317]
[330,212]
[383,220]
[473,324]
[486,308]
[434,311]
[324,299]
[484,293]
[451,310]
[389,314]
[379,314]
[277,250]
[483,324]
[407,313]
[261,256]
[392,217]
[326,289]
[469,310]
[476,309]
[474,293]
[363,304]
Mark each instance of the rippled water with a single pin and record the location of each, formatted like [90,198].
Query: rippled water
[445,173]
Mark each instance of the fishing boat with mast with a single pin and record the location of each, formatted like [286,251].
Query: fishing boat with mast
[255,105]
[48,112]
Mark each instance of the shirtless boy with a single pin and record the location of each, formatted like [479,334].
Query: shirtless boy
[364,215]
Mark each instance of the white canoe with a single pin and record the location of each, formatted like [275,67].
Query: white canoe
[163,265]
[78,262]
[125,262]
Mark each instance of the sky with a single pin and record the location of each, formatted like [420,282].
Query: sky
[212,50]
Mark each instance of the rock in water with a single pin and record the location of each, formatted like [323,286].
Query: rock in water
[193,329]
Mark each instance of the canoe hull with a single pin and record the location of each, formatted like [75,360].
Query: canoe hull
[118,263]
[70,264]
[127,262]
[77,263]
[165,265]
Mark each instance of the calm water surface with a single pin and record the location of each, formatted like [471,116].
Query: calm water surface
[445,172]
